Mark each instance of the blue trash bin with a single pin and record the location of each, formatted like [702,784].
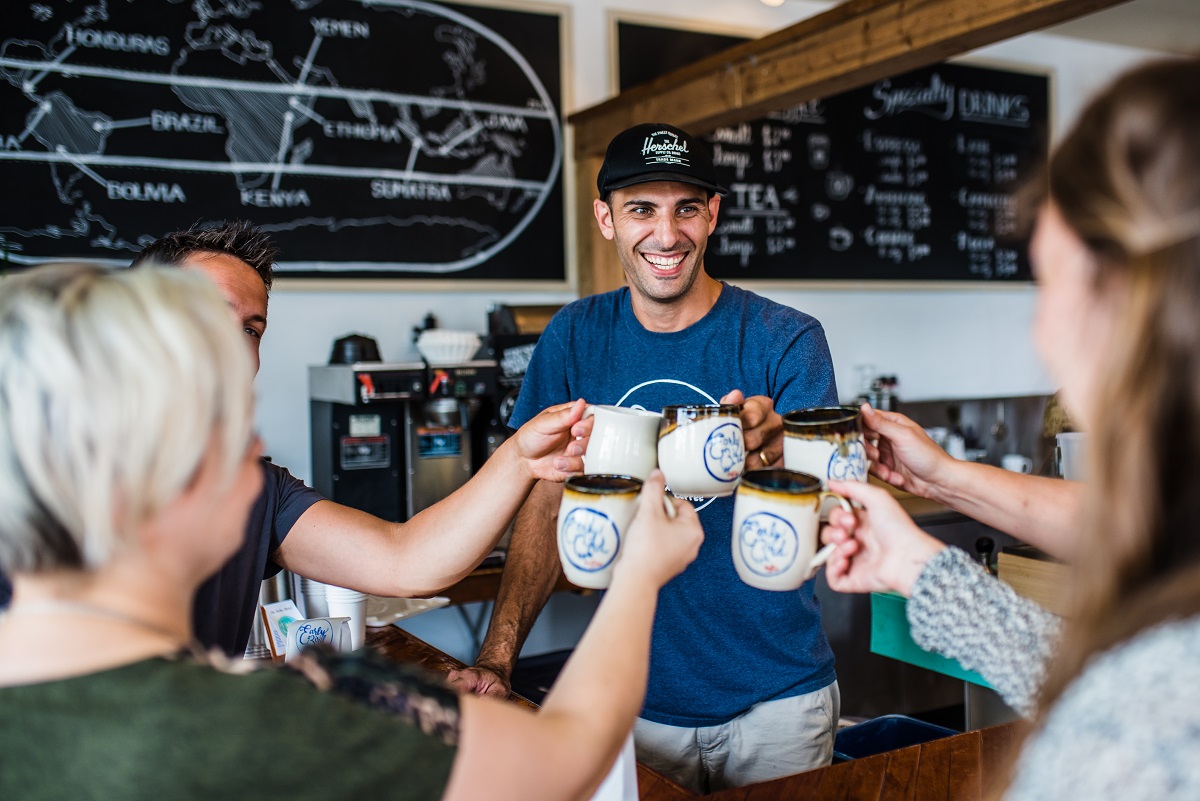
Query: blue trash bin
[885,733]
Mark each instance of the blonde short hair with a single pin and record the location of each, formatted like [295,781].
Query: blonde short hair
[113,388]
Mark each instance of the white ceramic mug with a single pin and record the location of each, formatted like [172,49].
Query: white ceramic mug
[592,519]
[1016,463]
[826,442]
[701,451]
[776,516]
[624,442]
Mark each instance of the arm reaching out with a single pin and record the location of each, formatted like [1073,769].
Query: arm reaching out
[442,544]
[565,749]
[1044,512]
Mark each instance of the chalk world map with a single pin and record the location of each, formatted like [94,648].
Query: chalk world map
[369,138]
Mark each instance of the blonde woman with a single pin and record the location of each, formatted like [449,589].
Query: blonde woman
[1116,252]
[127,467]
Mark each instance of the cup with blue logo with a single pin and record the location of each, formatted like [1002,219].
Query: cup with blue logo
[701,451]
[592,521]
[776,517]
[826,442]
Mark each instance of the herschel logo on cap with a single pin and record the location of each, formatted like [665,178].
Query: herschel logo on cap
[665,147]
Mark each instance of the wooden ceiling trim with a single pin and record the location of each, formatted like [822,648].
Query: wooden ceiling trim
[850,45]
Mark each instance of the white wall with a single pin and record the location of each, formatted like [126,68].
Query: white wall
[941,343]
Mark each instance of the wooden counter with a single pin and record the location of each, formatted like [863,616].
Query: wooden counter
[960,768]
[482,584]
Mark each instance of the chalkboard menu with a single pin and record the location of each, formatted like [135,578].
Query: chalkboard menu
[910,178]
[368,137]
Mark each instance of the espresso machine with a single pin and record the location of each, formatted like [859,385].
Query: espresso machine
[392,439]
[513,332]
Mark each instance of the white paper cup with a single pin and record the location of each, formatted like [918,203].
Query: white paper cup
[776,516]
[1072,450]
[352,604]
[624,442]
[592,520]
[313,593]
[701,451]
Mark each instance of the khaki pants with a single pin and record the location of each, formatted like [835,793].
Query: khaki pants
[771,739]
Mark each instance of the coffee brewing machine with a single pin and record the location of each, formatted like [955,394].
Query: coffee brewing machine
[393,439]
[513,332]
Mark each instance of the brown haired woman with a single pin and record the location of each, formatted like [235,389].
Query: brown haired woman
[1116,253]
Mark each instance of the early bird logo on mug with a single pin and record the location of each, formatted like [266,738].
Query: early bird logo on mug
[769,543]
[311,634]
[849,462]
[590,539]
[724,453]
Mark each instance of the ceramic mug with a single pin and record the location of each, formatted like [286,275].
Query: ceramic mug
[592,519]
[700,449]
[776,515]
[826,442]
[1017,463]
[624,442]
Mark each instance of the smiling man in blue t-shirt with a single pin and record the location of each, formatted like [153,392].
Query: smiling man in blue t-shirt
[742,685]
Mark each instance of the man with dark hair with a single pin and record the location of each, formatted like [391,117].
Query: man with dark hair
[741,683]
[238,238]
[236,256]
[292,527]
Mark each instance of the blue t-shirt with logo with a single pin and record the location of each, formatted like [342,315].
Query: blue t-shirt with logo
[719,645]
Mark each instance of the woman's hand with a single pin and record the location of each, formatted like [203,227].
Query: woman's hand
[658,545]
[880,548]
[902,454]
[551,445]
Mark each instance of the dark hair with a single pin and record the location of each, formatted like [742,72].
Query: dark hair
[238,238]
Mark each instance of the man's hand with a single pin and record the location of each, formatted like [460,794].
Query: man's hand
[762,429]
[551,445]
[480,680]
[902,454]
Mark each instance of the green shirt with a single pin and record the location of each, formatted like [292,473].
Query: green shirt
[168,729]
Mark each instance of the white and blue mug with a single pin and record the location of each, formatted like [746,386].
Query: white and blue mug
[826,442]
[592,519]
[776,516]
[701,451]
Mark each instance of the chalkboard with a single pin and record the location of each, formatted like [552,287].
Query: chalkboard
[910,178]
[380,138]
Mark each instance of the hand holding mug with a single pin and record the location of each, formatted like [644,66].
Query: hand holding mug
[878,547]
[663,538]
[552,444]
[762,429]
[775,519]
[904,455]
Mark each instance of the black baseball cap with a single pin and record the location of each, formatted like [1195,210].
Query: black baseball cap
[656,151]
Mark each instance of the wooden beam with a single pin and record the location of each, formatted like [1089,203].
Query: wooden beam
[599,269]
[850,45]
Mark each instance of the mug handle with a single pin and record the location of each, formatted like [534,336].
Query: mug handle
[669,505]
[588,412]
[822,556]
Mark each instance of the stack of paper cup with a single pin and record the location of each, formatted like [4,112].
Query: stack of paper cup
[313,593]
[352,604]
[1072,461]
